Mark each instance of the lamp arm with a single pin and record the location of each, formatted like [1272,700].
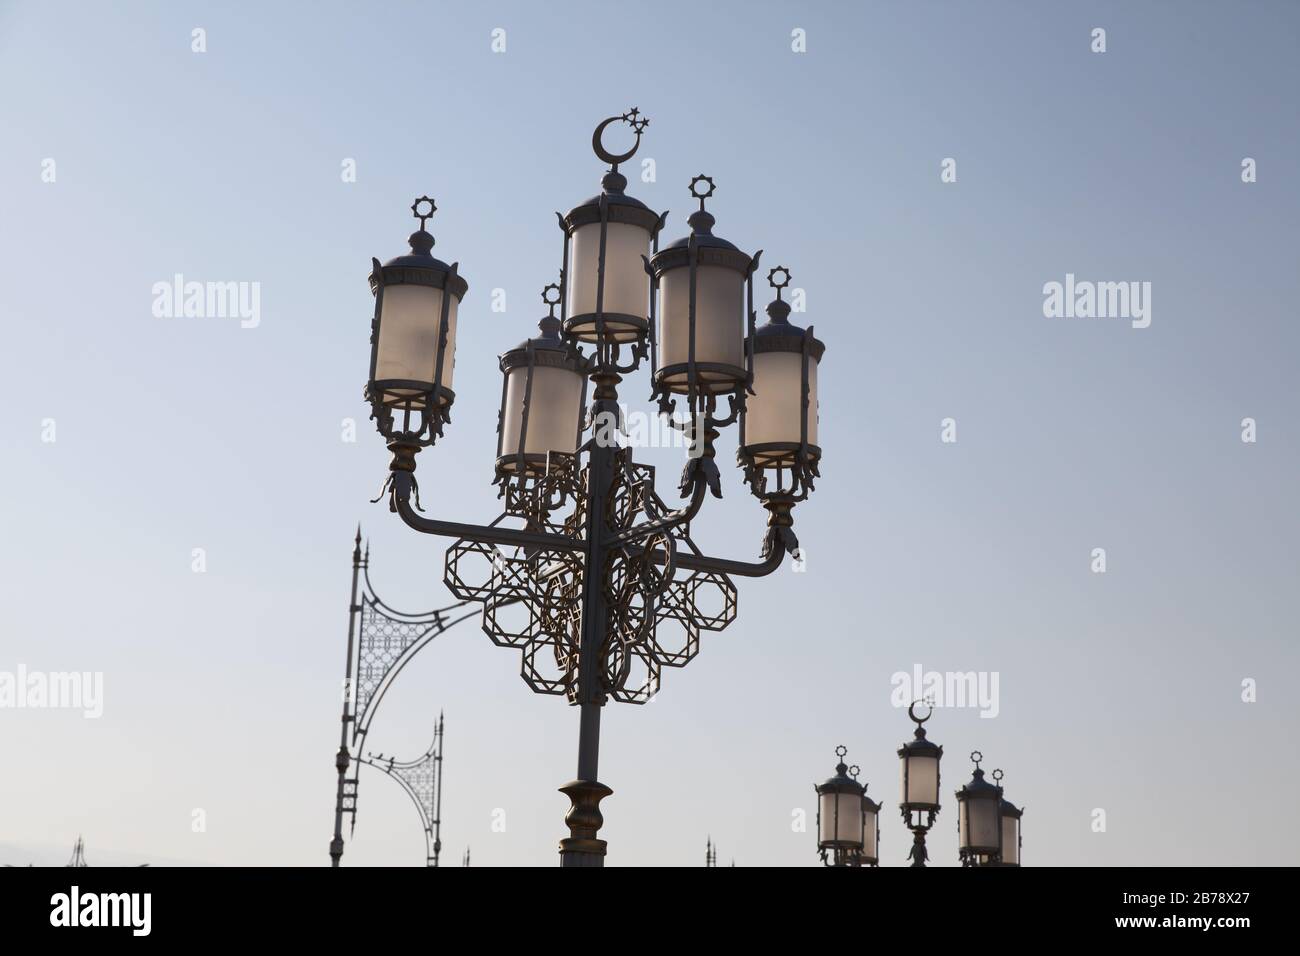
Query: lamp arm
[670,520]
[400,502]
[747,569]
[775,546]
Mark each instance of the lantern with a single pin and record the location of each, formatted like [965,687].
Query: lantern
[1010,827]
[702,282]
[778,427]
[542,392]
[870,855]
[840,823]
[919,772]
[607,240]
[979,819]
[413,334]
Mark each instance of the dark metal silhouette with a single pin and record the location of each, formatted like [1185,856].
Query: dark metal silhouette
[587,572]
[422,780]
[381,641]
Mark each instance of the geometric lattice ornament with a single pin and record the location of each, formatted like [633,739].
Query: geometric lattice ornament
[532,599]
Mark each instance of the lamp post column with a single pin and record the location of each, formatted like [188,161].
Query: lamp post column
[342,759]
[583,847]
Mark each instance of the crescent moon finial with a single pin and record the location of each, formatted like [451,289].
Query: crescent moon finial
[632,118]
[911,712]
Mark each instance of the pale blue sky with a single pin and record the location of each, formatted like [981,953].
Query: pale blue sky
[1118,691]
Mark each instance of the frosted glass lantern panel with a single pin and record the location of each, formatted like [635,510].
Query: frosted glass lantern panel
[1011,841]
[719,319]
[554,409]
[627,286]
[978,824]
[920,780]
[408,336]
[847,827]
[869,834]
[774,412]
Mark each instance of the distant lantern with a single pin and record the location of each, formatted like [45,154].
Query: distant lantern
[870,855]
[1011,815]
[979,819]
[918,764]
[919,767]
[840,820]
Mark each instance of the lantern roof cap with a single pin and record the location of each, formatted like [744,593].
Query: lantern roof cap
[778,333]
[420,265]
[549,339]
[842,782]
[978,786]
[702,221]
[421,241]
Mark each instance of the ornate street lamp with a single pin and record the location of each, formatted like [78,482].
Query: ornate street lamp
[919,766]
[979,819]
[841,824]
[604,575]
[1010,827]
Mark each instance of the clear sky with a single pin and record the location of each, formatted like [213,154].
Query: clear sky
[1120,691]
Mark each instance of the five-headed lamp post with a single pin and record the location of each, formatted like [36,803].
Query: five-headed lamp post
[585,552]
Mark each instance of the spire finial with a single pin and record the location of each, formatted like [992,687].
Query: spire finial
[778,283]
[638,123]
[840,752]
[778,277]
[420,240]
[911,712]
[424,216]
[701,221]
[551,294]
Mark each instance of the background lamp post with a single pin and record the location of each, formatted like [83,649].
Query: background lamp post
[919,766]
[604,574]
[988,825]
[840,816]
[979,819]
